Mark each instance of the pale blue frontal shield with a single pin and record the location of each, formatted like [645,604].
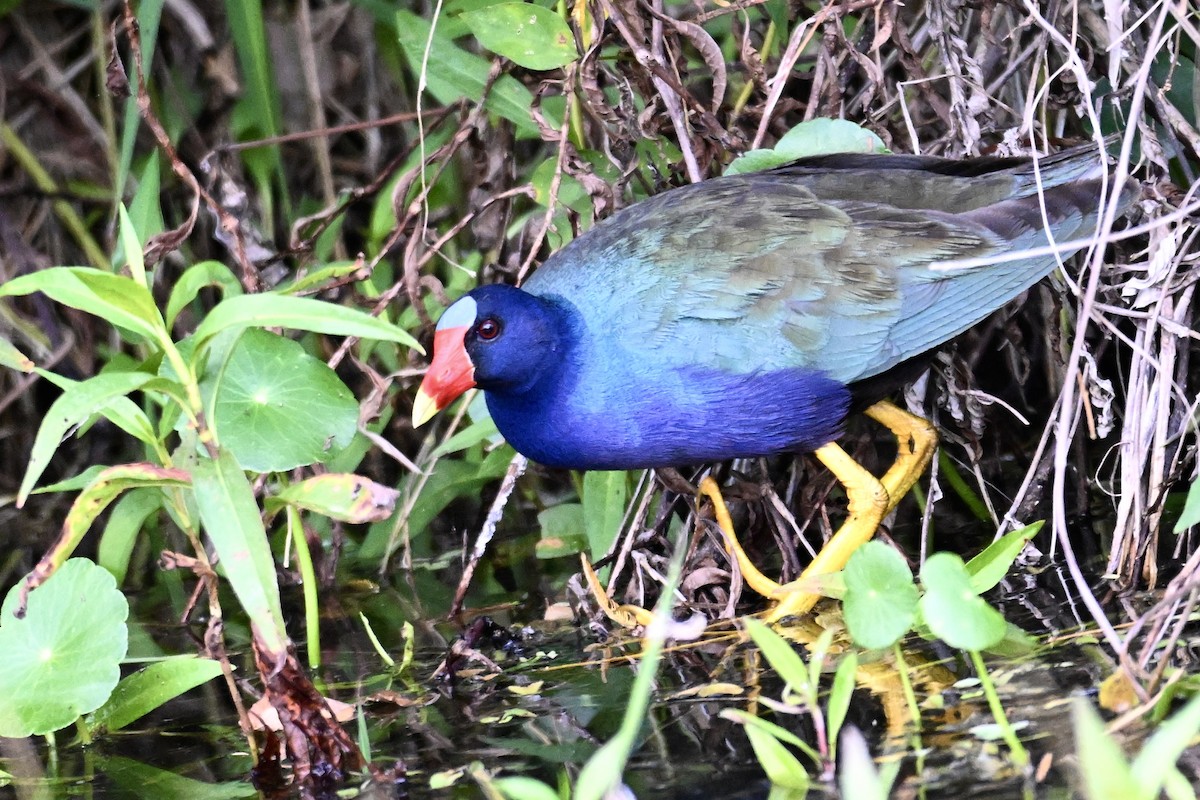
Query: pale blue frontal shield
[460,314]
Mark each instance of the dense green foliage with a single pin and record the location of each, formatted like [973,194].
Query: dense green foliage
[227,228]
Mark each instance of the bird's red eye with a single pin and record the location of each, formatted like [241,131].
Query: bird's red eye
[488,329]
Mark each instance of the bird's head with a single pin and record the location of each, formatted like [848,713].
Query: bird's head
[496,337]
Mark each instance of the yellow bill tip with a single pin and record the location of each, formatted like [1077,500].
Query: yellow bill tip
[424,407]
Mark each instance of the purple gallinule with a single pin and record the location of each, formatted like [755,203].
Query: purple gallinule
[749,315]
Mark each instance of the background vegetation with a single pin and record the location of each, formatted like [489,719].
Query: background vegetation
[387,157]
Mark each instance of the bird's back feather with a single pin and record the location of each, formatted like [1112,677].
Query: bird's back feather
[827,264]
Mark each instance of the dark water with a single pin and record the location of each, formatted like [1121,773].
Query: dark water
[560,693]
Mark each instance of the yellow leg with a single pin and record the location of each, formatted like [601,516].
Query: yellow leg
[869,499]
[866,503]
[627,616]
[916,440]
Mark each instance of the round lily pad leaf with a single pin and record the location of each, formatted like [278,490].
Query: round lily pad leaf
[951,608]
[278,408]
[63,659]
[881,600]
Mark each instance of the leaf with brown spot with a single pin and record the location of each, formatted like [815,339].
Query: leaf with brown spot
[90,503]
[342,496]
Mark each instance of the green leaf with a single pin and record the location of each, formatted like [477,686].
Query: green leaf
[777,731]
[1191,506]
[348,498]
[453,74]
[277,408]
[1015,644]
[529,35]
[562,531]
[604,497]
[571,192]
[230,517]
[128,517]
[136,779]
[316,279]
[119,300]
[779,654]
[131,247]
[71,408]
[299,313]
[195,278]
[840,693]
[755,161]
[99,494]
[989,567]
[149,15]
[120,411]
[249,37]
[451,480]
[782,768]
[1103,767]
[482,431]
[601,775]
[952,609]
[858,777]
[880,605]
[1163,749]
[816,137]
[13,358]
[63,659]
[74,483]
[520,787]
[145,210]
[147,689]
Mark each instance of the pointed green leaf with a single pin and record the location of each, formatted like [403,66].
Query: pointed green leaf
[452,74]
[782,768]
[147,689]
[482,431]
[780,654]
[297,313]
[130,246]
[13,358]
[195,278]
[120,411]
[230,517]
[521,787]
[989,567]
[1102,766]
[119,300]
[813,138]
[844,680]
[124,524]
[1191,506]
[137,779]
[604,496]
[145,209]
[72,407]
[1165,746]
[529,35]
[75,483]
[349,498]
